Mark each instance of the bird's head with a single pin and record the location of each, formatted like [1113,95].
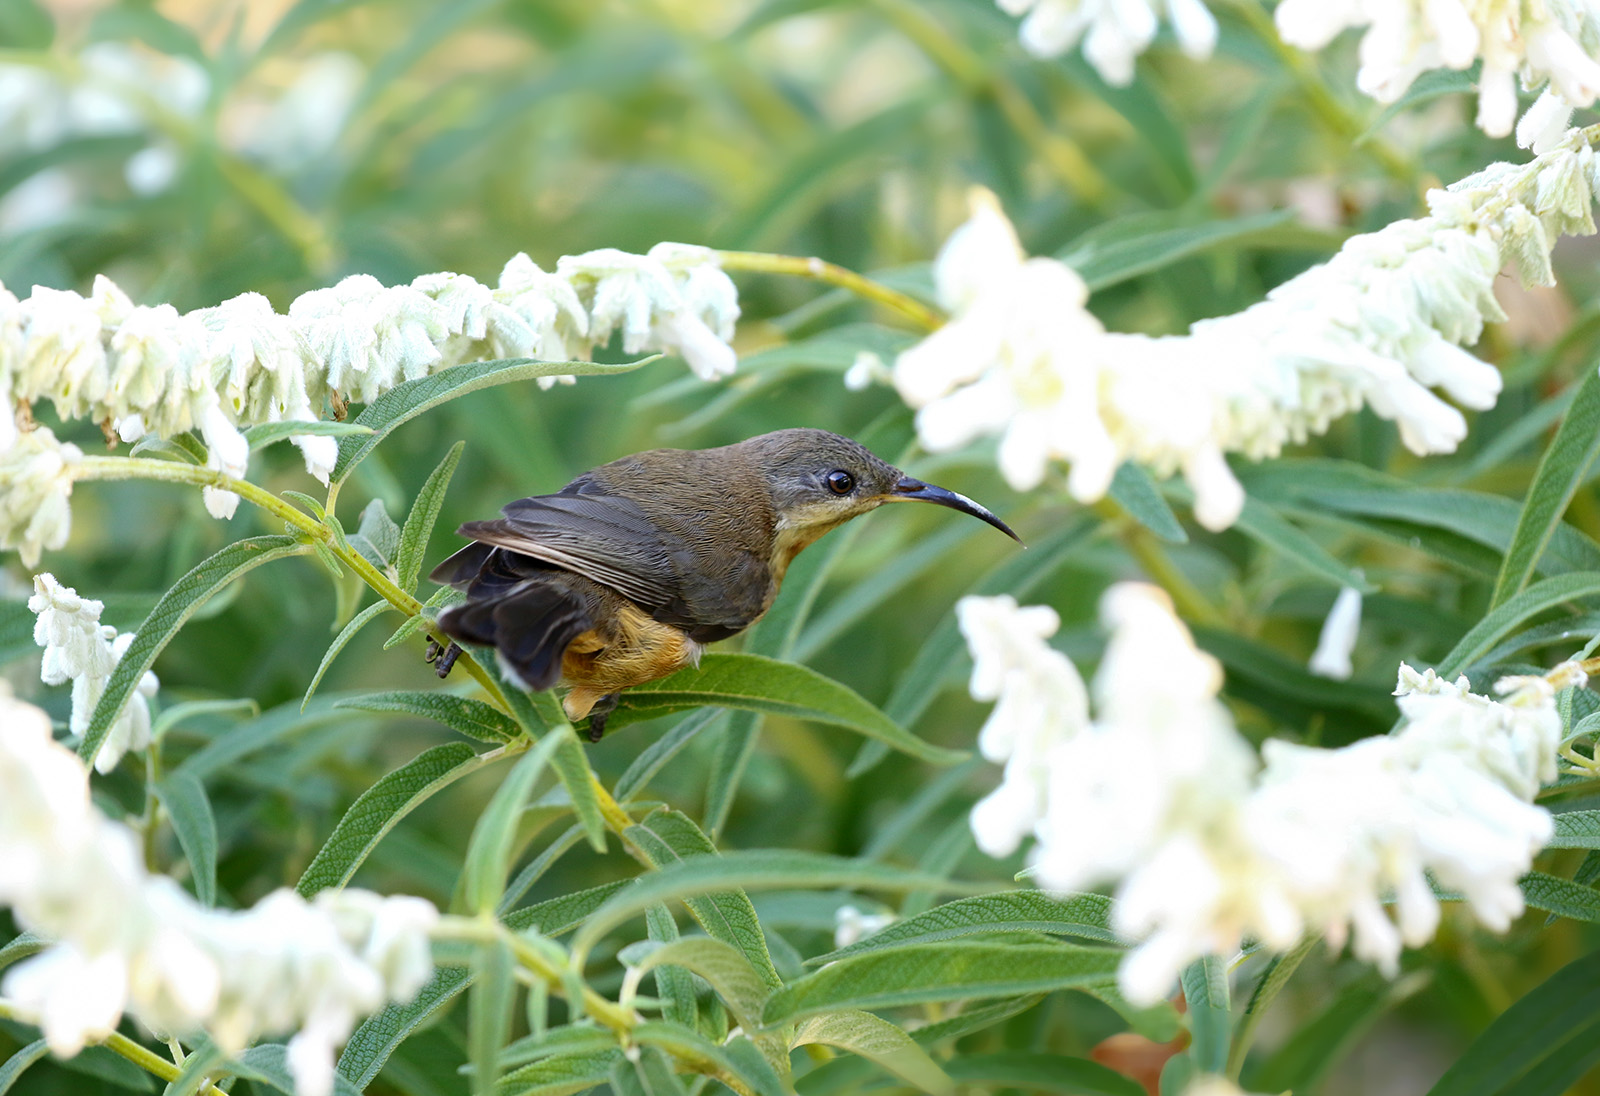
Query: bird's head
[819,480]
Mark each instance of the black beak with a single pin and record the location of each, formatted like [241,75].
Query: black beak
[914,490]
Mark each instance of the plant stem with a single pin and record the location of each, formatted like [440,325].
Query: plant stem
[1060,153]
[820,270]
[1323,103]
[1144,548]
[120,1044]
[117,468]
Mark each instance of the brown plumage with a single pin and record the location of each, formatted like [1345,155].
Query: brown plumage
[624,574]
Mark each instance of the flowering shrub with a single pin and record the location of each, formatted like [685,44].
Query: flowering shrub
[1284,714]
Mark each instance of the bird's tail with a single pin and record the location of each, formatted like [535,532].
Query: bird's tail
[529,625]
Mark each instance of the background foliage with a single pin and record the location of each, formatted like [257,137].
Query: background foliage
[848,131]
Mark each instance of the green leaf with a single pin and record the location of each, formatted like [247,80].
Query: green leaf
[754,683]
[679,850]
[166,447]
[738,1059]
[1112,256]
[381,1033]
[1205,990]
[1576,830]
[473,718]
[379,809]
[927,973]
[975,1018]
[560,1074]
[879,1041]
[405,402]
[1427,87]
[650,1075]
[1134,490]
[554,916]
[20,947]
[342,640]
[1527,1033]
[176,606]
[1280,968]
[535,869]
[377,537]
[197,1066]
[724,967]
[572,767]
[1086,915]
[1036,1072]
[18,1063]
[1262,523]
[1561,897]
[489,852]
[561,1040]
[674,985]
[269,1064]
[494,988]
[264,434]
[420,521]
[1564,465]
[1542,595]
[1305,1058]
[654,757]
[186,803]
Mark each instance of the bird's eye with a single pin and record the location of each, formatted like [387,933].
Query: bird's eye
[841,482]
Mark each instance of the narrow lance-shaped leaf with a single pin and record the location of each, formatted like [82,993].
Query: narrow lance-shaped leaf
[647,1073]
[379,809]
[1205,990]
[189,808]
[572,767]
[754,683]
[724,967]
[880,1041]
[560,1074]
[1542,595]
[420,522]
[1086,915]
[176,606]
[473,718]
[381,1033]
[264,434]
[489,852]
[1564,465]
[405,402]
[737,1060]
[494,988]
[937,972]
[341,641]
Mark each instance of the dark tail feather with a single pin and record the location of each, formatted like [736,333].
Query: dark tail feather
[530,626]
[462,567]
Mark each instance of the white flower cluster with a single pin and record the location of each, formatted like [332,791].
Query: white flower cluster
[1550,43]
[81,650]
[127,941]
[1380,324]
[1114,32]
[108,89]
[1157,790]
[149,369]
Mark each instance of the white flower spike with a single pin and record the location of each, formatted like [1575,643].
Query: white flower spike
[1161,795]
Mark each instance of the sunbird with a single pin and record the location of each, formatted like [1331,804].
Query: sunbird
[625,574]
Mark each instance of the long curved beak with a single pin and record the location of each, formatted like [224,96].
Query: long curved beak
[914,490]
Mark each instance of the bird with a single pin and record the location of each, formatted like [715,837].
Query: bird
[626,573]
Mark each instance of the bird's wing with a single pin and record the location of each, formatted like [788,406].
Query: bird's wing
[602,537]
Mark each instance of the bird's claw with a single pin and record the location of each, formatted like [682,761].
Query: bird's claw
[443,656]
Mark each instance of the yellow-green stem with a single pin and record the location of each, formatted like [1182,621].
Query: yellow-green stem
[820,270]
[1323,103]
[1060,153]
[115,468]
[1143,546]
[146,1059]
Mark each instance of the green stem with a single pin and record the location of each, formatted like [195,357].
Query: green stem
[488,930]
[1064,156]
[146,1059]
[820,270]
[1323,103]
[1153,559]
[119,468]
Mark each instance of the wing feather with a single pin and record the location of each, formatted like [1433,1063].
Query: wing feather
[602,537]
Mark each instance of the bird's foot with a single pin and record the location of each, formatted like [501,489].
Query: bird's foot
[443,657]
[600,713]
